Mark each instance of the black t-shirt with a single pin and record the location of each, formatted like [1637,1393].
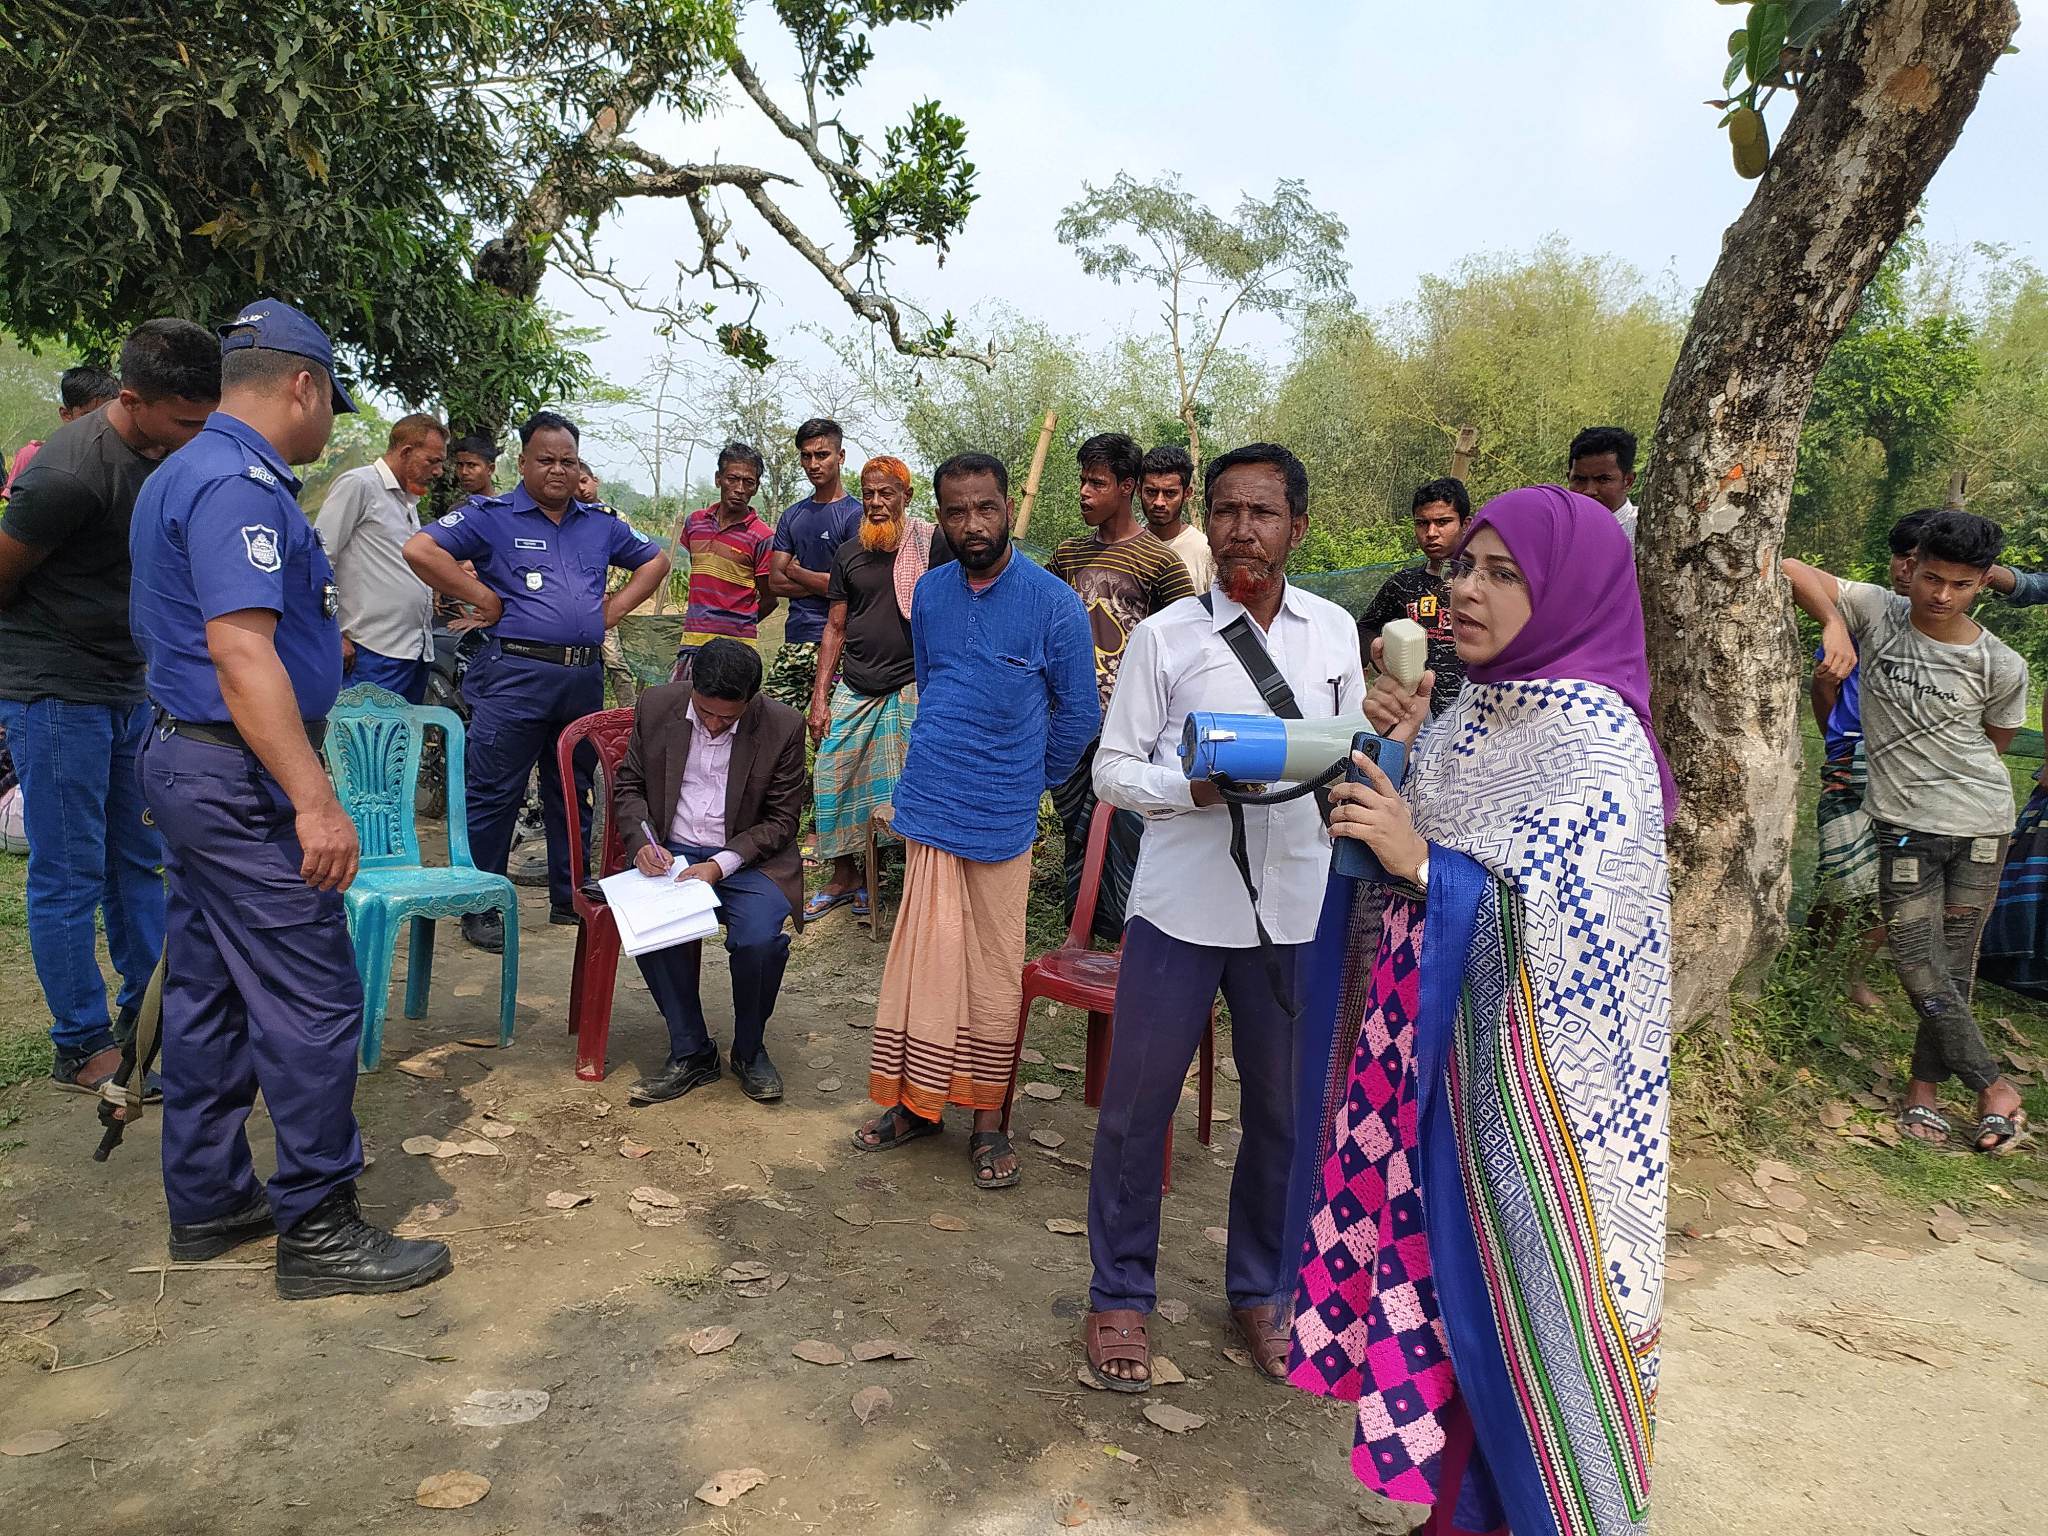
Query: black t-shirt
[877,658]
[1417,594]
[66,635]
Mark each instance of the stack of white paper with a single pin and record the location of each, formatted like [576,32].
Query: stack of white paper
[659,911]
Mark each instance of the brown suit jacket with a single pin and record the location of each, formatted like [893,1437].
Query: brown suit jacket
[764,791]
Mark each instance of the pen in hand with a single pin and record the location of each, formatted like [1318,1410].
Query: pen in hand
[667,859]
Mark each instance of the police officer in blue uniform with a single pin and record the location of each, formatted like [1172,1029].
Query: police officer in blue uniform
[234,609]
[541,558]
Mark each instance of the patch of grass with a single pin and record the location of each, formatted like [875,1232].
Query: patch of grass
[687,1281]
[23,1055]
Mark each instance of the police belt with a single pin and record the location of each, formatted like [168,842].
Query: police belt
[560,655]
[227,735]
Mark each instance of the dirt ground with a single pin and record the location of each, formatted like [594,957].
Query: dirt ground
[1870,1379]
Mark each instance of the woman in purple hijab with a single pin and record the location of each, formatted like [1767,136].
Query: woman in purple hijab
[1482,1189]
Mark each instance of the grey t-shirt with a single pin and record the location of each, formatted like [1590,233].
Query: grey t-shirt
[65,635]
[1925,707]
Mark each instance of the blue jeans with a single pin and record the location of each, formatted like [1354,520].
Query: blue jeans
[91,848]
[753,909]
[407,679]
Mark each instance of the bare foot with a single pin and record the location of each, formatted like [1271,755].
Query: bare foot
[1860,996]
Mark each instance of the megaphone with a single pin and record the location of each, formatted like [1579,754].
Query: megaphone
[1266,749]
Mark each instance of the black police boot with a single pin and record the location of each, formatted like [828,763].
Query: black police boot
[193,1242]
[759,1080]
[485,931]
[332,1251]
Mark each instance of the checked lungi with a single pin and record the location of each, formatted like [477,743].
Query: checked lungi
[859,762]
[1847,870]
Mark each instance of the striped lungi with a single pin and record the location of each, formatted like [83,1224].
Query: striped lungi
[946,1025]
[859,762]
[1847,870]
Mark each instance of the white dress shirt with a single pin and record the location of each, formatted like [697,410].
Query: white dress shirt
[1177,662]
[1625,515]
[363,525]
[699,818]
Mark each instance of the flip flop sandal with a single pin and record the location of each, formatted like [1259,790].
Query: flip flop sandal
[1922,1115]
[896,1127]
[1266,1339]
[823,902]
[984,1150]
[2010,1130]
[1117,1336]
[860,902]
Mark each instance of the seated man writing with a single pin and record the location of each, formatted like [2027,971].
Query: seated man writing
[711,788]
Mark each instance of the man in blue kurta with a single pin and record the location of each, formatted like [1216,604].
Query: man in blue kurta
[234,610]
[540,558]
[1007,702]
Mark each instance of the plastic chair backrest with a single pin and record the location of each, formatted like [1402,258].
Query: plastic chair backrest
[607,731]
[1081,932]
[373,753]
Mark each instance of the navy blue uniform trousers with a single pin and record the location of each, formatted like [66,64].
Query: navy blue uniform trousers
[260,990]
[517,707]
[753,909]
[1164,989]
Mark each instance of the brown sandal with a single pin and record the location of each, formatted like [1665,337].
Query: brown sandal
[1118,1335]
[1268,1341]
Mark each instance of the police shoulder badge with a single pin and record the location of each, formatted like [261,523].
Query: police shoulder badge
[261,543]
[261,475]
[450,519]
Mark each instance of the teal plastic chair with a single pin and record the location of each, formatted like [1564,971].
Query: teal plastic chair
[373,753]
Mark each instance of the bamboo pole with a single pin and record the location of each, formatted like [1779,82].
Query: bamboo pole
[1037,469]
[1462,452]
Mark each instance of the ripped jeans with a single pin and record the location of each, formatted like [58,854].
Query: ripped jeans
[1935,893]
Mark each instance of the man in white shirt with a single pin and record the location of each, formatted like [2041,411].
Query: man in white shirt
[1163,492]
[1602,465]
[387,613]
[1190,925]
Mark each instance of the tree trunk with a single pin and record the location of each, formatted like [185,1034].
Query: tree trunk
[1873,124]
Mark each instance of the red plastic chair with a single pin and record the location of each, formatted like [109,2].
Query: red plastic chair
[597,940]
[1081,976]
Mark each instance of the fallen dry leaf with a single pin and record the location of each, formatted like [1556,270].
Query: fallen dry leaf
[1032,1056]
[1831,1180]
[469,989]
[1086,1377]
[1066,1066]
[868,1402]
[1175,1421]
[651,1194]
[818,1352]
[44,1287]
[1052,1141]
[34,1442]
[1795,1235]
[819,1063]
[39,1322]
[1836,1115]
[1770,1171]
[1217,1235]
[709,1341]
[1066,1226]
[1765,1237]
[1043,1090]
[855,1215]
[746,1269]
[1071,1510]
[2035,1187]
[1786,1198]
[1743,1194]
[1868,1100]
[756,1289]
[498,1130]
[1887,1251]
[477,1042]
[566,1199]
[631,1148]
[828,1085]
[426,1065]
[881,1349]
[429,1146]
[1237,1356]
[947,1223]
[493,1410]
[1166,1374]
[478,1147]
[1946,1225]
[721,1489]
[451,1490]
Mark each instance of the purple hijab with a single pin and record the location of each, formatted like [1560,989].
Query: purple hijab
[1585,612]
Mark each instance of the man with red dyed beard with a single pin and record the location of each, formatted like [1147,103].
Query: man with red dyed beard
[865,694]
[1191,929]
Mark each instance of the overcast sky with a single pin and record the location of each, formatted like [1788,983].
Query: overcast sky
[1432,131]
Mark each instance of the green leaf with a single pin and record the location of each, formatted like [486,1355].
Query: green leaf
[1738,43]
[1766,31]
[1735,67]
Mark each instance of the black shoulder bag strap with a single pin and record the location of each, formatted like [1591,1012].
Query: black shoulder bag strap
[1252,655]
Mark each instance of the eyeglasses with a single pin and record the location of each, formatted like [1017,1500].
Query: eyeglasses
[1502,576]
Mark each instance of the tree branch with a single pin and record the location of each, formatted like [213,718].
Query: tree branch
[842,175]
